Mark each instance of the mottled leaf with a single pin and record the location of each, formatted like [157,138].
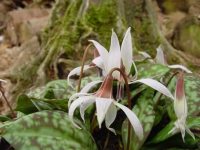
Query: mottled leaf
[149,70]
[46,130]
[57,89]
[145,112]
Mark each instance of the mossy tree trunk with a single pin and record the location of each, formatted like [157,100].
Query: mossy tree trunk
[73,22]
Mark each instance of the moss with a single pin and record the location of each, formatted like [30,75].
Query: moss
[102,18]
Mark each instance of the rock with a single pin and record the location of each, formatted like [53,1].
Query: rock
[194,9]
[187,36]
[23,24]
[169,6]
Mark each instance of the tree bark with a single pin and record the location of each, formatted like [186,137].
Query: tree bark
[74,22]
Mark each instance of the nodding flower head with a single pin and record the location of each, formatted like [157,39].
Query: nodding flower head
[106,107]
[105,91]
[116,57]
[180,108]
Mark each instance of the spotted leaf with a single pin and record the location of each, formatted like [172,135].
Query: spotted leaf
[46,130]
[144,110]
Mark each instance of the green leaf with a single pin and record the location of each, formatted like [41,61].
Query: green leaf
[25,105]
[149,70]
[53,96]
[29,105]
[174,143]
[47,130]
[4,118]
[144,109]
[57,89]
[164,133]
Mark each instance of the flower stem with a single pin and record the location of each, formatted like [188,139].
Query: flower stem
[167,83]
[129,100]
[82,66]
[6,100]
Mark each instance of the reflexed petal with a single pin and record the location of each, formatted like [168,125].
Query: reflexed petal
[74,96]
[155,85]
[127,51]
[189,132]
[102,51]
[114,58]
[135,122]
[85,105]
[73,107]
[98,61]
[160,58]
[90,85]
[180,67]
[76,71]
[102,106]
[110,117]
[4,81]
[182,129]
[144,54]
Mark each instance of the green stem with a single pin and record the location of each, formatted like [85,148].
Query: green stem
[160,95]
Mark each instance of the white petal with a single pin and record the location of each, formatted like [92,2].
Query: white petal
[1,38]
[85,105]
[90,85]
[135,122]
[180,67]
[76,71]
[74,96]
[126,51]
[182,129]
[160,58]
[155,85]
[110,117]
[189,132]
[102,51]
[145,54]
[73,107]
[98,61]
[102,106]
[114,58]
[180,108]
[4,81]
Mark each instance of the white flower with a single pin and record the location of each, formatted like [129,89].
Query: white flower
[106,107]
[116,57]
[180,108]
[119,58]
[160,59]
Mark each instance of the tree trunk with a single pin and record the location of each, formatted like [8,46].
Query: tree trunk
[74,22]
